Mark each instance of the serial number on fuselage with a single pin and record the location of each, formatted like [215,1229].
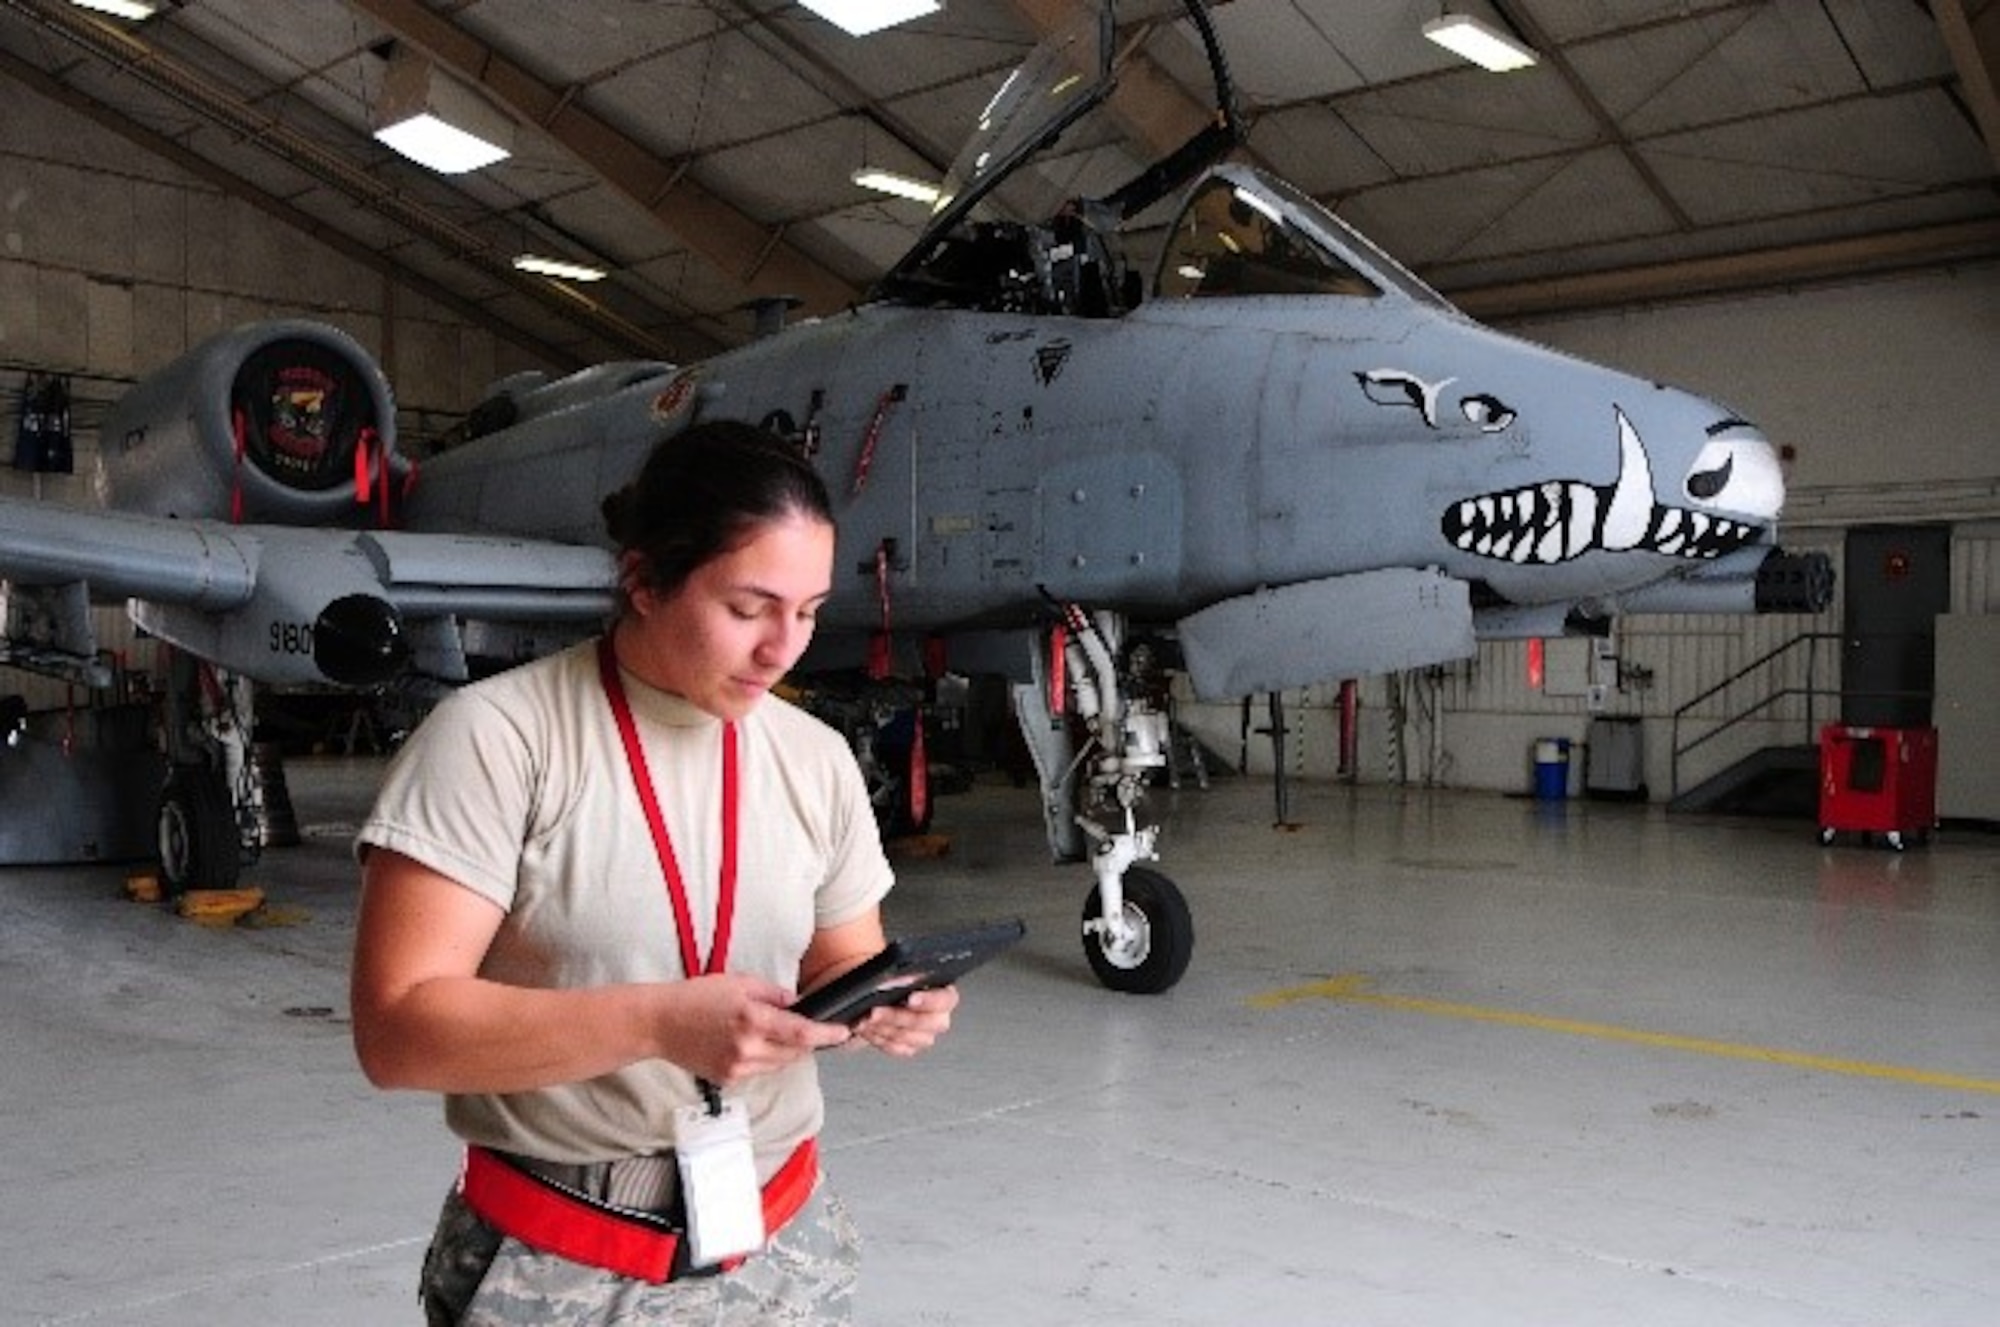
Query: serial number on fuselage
[292,638]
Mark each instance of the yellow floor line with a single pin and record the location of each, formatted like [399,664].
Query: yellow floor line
[1354,989]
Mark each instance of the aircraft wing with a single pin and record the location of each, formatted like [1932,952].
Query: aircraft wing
[279,603]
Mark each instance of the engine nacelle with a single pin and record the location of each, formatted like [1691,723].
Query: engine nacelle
[280,422]
[315,612]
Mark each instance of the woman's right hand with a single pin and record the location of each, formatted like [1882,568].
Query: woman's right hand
[731,1026]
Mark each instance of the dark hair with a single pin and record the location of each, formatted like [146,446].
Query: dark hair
[701,491]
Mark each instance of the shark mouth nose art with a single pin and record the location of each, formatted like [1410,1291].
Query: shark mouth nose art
[1556,520]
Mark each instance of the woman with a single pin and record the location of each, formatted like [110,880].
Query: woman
[592,885]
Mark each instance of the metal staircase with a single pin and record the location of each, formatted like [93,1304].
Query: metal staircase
[1778,688]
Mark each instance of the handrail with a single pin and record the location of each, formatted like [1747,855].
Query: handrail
[1808,639]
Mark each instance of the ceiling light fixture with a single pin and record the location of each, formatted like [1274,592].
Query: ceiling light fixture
[436,122]
[135,10]
[559,268]
[888,182]
[1481,43]
[858,18]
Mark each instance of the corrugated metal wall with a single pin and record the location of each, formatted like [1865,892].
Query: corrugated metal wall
[1975,569]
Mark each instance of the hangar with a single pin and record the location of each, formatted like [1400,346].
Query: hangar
[1462,1043]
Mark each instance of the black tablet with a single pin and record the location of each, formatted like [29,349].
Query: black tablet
[909,963]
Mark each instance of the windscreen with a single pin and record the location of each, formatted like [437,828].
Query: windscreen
[1231,242]
[1245,233]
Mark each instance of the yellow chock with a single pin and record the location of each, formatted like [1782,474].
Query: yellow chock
[218,907]
[143,887]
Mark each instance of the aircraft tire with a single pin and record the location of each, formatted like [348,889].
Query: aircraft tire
[198,842]
[1159,957]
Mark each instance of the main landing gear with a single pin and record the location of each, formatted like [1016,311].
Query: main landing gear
[1137,931]
[208,819]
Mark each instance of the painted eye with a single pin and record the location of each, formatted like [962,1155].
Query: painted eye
[1707,483]
[1394,387]
[1490,413]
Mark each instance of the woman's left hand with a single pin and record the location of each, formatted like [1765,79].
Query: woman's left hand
[912,1027]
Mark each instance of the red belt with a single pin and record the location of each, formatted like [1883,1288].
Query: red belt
[641,1245]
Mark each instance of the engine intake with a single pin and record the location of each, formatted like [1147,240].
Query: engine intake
[283,423]
[358,641]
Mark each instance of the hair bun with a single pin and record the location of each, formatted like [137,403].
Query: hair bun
[618,513]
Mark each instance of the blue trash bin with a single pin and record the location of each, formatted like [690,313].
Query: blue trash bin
[1551,769]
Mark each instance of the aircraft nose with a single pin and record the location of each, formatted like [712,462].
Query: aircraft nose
[1737,471]
[358,641]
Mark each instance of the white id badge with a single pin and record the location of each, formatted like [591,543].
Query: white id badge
[725,1208]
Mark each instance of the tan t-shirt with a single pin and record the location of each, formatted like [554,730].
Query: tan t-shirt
[518,788]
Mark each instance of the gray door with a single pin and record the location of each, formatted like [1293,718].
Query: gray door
[1897,580]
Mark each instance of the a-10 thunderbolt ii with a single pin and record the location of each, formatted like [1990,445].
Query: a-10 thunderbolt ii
[1279,447]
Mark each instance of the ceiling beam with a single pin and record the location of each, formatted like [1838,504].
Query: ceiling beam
[756,256]
[1972,34]
[1609,131]
[777,36]
[1765,269]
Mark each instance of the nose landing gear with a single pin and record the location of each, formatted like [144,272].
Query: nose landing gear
[1138,934]
[1142,944]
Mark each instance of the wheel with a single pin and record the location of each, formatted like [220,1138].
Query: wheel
[1896,839]
[1826,833]
[198,842]
[1162,941]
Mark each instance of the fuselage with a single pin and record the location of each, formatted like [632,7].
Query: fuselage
[1189,451]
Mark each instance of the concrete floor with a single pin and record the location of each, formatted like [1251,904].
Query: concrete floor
[1440,1059]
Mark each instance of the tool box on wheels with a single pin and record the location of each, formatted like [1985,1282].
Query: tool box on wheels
[1877,781]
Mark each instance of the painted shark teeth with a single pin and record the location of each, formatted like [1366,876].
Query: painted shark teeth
[1557,520]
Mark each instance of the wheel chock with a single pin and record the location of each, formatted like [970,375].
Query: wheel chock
[218,907]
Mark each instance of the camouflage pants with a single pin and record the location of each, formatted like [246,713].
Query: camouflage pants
[476,1277]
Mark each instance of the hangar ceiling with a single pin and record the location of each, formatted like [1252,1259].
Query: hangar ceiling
[701,149]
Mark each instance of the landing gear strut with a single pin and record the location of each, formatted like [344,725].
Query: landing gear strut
[208,818]
[1138,934]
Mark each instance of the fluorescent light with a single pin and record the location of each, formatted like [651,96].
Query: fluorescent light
[556,267]
[1481,43]
[888,182]
[132,9]
[443,147]
[436,122]
[860,17]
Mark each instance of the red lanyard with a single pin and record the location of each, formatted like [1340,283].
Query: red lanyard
[663,846]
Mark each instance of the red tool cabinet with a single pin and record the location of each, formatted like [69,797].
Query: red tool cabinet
[1877,781]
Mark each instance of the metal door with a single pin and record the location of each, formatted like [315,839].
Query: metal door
[1897,580]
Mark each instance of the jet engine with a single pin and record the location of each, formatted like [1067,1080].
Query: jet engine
[293,606]
[287,423]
